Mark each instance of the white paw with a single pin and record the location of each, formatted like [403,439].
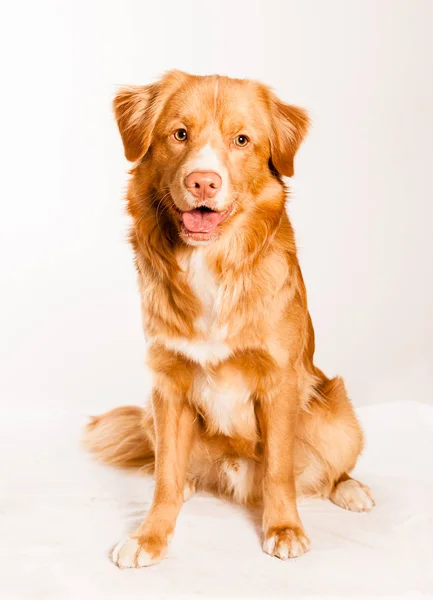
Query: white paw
[188,490]
[352,495]
[287,543]
[129,554]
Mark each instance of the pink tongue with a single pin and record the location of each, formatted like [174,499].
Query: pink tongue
[201,222]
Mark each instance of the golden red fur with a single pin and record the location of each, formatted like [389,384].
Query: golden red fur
[238,406]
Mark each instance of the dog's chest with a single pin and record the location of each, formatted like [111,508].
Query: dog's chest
[221,394]
[210,345]
[225,403]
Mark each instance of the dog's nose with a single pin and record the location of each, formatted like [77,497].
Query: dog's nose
[203,185]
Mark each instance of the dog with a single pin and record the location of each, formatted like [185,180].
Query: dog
[238,406]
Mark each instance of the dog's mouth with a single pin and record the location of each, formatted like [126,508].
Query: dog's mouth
[202,223]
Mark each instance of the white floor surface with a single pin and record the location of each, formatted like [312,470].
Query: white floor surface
[61,512]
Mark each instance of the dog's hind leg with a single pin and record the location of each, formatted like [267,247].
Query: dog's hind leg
[329,443]
[352,494]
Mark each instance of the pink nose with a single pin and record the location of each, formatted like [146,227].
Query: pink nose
[203,185]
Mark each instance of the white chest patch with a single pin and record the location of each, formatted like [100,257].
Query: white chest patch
[223,399]
[225,404]
[211,347]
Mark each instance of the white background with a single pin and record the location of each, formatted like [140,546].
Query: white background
[361,207]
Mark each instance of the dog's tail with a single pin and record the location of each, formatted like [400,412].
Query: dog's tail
[119,438]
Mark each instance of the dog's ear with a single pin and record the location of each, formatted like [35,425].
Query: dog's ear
[137,109]
[290,125]
[135,118]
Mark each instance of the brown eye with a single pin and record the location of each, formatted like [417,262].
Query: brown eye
[241,141]
[181,135]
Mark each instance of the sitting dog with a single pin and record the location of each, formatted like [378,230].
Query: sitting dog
[238,406]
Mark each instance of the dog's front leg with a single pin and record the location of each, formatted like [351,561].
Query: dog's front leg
[174,423]
[284,535]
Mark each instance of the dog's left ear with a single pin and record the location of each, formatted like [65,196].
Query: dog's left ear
[290,125]
[135,118]
[137,109]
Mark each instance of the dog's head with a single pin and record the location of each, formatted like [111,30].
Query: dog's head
[208,147]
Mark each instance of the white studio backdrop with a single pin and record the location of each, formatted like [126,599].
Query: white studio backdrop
[362,201]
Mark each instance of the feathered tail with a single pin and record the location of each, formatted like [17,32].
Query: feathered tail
[119,438]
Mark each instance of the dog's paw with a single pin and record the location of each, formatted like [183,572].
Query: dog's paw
[135,553]
[188,490]
[286,542]
[352,495]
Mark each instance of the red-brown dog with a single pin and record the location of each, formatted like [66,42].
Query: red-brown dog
[238,405]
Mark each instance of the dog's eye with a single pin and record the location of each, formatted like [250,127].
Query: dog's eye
[241,141]
[181,135]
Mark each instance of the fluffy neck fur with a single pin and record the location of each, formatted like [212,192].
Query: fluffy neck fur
[254,262]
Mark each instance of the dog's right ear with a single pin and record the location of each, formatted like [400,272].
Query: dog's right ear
[290,127]
[135,118]
[137,109]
